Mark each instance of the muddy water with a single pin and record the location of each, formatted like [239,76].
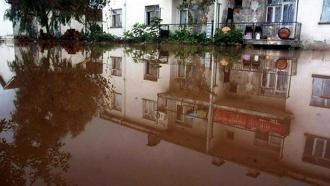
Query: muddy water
[163,115]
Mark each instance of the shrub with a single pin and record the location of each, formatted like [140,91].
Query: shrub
[186,37]
[95,34]
[228,38]
[71,34]
[144,33]
[94,28]
[101,37]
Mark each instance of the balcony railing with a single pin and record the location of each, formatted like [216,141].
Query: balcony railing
[268,32]
[206,28]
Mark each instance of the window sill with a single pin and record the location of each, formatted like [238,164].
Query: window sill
[116,27]
[324,23]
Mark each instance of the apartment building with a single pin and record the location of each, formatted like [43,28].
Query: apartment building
[271,22]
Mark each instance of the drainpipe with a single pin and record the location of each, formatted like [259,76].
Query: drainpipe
[297,10]
[209,132]
[215,15]
[125,19]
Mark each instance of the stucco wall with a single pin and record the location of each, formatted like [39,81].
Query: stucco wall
[6,27]
[307,119]
[313,33]
[132,86]
[134,12]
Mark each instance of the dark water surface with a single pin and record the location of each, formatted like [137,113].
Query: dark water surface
[163,115]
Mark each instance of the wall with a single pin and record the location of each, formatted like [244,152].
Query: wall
[313,33]
[134,12]
[133,87]
[307,119]
[6,27]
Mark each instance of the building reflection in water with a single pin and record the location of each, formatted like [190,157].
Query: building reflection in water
[234,106]
[266,110]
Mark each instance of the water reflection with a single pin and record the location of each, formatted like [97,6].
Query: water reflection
[53,99]
[265,110]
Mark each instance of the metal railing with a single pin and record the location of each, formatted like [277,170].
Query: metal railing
[206,28]
[269,31]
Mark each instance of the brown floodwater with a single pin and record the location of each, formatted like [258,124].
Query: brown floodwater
[163,115]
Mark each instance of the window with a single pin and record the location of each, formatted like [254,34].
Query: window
[267,139]
[185,114]
[184,16]
[181,70]
[152,11]
[281,11]
[116,66]
[238,3]
[116,18]
[325,16]
[321,91]
[117,101]
[149,109]
[317,151]
[151,71]
[275,83]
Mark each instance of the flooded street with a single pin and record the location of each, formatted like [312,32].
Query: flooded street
[163,115]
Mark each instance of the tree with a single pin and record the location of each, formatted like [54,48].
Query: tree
[192,5]
[54,100]
[49,13]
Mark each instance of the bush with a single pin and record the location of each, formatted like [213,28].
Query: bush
[94,28]
[101,37]
[228,38]
[144,33]
[94,33]
[186,37]
[71,34]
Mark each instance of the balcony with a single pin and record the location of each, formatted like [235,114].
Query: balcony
[274,34]
[258,33]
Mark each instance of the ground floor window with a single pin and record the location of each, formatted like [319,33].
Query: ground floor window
[152,11]
[149,109]
[325,16]
[116,66]
[116,18]
[184,16]
[321,91]
[151,71]
[317,151]
[185,114]
[181,70]
[117,101]
[268,139]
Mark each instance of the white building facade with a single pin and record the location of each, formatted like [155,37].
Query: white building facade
[120,16]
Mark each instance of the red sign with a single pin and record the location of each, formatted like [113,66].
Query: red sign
[250,122]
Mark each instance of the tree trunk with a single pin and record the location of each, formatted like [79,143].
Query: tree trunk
[47,28]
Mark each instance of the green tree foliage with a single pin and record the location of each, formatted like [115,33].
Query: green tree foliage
[48,107]
[50,13]
[187,37]
[232,37]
